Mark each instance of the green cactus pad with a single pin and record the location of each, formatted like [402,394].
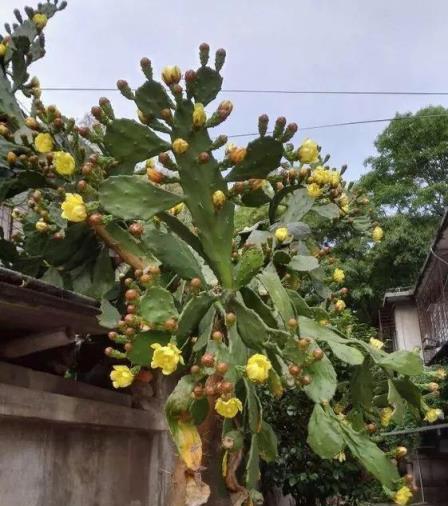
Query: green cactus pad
[207,85]
[174,253]
[141,352]
[253,301]
[129,142]
[262,157]
[250,263]
[151,98]
[134,197]
[255,198]
[157,306]
[192,314]
[251,327]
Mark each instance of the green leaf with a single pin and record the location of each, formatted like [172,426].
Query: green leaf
[103,275]
[267,443]
[53,277]
[253,464]
[250,263]
[207,85]
[253,407]
[151,98]
[174,253]
[408,391]
[362,385]
[237,350]
[109,316]
[323,380]
[262,157]
[394,399]
[130,142]
[299,304]
[329,211]
[205,329]
[325,436]
[348,354]
[130,243]
[179,401]
[403,362]
[278,294]
[251,327]
[141,352]
[135,198]
[192,314]
[302,263]
[157,305]
[199,410]
[298,204]
[253,301]
[371,457]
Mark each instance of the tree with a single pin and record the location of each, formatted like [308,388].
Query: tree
[409,173]
[183,290]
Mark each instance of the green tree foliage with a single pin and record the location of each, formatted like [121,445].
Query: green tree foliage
[408,175]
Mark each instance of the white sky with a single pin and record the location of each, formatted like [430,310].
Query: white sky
[283,44]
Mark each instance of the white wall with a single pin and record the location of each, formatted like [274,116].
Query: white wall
[407,327]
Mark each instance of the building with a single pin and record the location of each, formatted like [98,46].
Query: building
[418,316]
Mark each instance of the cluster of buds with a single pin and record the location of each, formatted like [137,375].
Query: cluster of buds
[221,114]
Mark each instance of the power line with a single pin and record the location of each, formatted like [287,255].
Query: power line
[348,123]
[282,92]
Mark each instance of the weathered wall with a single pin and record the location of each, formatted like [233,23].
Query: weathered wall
[63,443]
[407,327]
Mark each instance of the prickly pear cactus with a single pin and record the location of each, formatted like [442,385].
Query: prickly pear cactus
[141,213]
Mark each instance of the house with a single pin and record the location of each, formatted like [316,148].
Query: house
[418,316]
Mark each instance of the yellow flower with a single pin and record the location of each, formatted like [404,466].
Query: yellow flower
[258,367]
[177,209]
[440,373]
[3,49]
[376,343]
[236,155]
[338,276]
[199,116]
[180,146]
[43,143]
[343,200]
[281,234]
[41,226]
[432,415]
[166,357]
[73,208]
[377,234]
[433,386]
[341,457]
[403,496]
[386,416]
[121,376]
[171,75]
[339,305]
[320,175]
[308,152]
[64,163]
[401,451]
[314,190]
[335,178]
[40,20]
[229,408]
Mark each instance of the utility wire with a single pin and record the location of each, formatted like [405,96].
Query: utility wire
[282,92]
[348,123]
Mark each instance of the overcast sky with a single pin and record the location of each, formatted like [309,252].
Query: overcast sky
[285,44]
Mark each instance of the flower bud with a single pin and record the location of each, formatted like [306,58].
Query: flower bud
[401,451]
[318,354]
[41,226]
[208,359]
[32,123]
[218,199]
[263,121]
[224,109]
[11,157]
[204,51]
[180,146]
[199,115]
[279,126]
[222,367]
[294,370]
[236,155]
[170,324]
[125,90]
[230,319]
[217,336]
[190,76]
[145,64]
[154,175]
[136,229]
[171,75]
[281,234]
[203,157]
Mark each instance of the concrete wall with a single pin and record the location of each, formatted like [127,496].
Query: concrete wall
[65,443]
[407,327]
